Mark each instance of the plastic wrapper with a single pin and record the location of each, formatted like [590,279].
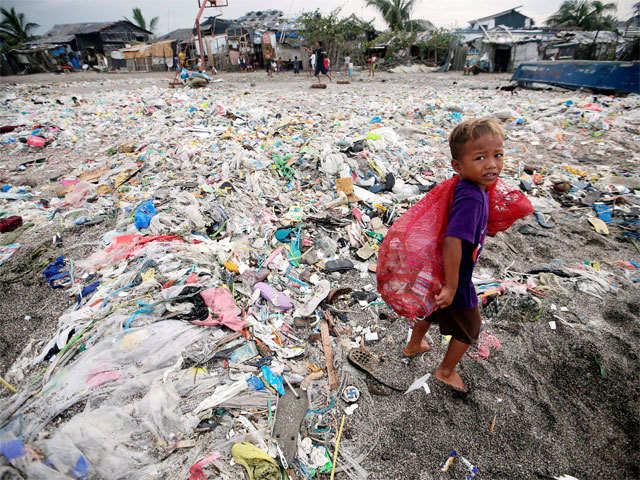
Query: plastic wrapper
[410,269]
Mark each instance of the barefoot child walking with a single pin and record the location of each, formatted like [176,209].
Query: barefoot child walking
[477,156]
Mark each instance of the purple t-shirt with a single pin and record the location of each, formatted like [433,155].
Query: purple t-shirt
[468,222]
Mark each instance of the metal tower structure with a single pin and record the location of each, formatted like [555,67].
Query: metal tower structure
[202,5]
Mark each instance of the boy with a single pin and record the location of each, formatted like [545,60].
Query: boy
[477,155]
[318,56]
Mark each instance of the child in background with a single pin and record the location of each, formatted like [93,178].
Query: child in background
[477,156]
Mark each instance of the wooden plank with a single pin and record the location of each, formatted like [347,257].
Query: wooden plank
[328,355]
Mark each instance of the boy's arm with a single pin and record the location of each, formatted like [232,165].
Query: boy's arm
[451,256]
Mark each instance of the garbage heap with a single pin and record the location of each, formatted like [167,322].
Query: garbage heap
[210,327]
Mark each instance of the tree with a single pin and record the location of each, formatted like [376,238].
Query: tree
[338,35]
[13,28]
[139,20]
[586,14]
[397,14]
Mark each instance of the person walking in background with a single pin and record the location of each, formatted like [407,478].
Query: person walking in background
[321,60]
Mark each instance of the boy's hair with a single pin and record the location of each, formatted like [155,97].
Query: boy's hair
[472,130]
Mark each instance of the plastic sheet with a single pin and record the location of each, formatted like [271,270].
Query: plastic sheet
[135,355]
[101,443]
[161,412]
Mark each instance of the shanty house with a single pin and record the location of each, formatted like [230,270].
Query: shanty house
[102,37]
[509,18]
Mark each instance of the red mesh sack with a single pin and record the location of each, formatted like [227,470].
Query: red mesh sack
[506,205]
[410,270]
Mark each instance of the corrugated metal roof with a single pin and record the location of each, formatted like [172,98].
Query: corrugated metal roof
[80,28]
[180,35]
[497,14]
[51,40]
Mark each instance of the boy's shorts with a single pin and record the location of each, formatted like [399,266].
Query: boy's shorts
[461,323]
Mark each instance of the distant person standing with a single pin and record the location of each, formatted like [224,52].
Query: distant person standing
[348,66]
[182,57]
[372,66]
[267,64]
[312,63]
[296,65]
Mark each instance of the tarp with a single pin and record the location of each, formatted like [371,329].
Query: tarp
[137,51]
[162,49]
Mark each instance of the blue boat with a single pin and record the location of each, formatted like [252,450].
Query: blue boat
[611,76]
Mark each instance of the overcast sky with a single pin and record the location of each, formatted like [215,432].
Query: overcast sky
[181,13]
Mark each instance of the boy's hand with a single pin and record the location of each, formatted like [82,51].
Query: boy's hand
[445,297]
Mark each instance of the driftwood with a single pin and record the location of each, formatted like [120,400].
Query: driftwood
[328,355]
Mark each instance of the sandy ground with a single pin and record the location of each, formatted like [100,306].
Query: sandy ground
[556,410]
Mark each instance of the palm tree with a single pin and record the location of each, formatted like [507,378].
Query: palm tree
[139,20]
[397,14]
[13,28]
[586,14]
[418,25]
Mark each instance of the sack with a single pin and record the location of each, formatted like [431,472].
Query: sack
[410,269]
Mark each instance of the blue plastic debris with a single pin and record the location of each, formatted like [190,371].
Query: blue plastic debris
[88,290]
[256,383]
[272,379]
[81,470]
[12,449]
[144,214]
[54,271]
[603,211]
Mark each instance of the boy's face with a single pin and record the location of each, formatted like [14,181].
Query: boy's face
[481,160]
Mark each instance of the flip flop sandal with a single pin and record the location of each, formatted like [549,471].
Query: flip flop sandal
[341,265]
[364,361]
[290,412]
[529,230]
[322,290]
[542,222]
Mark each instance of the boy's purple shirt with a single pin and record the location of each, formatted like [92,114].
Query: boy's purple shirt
[468,222]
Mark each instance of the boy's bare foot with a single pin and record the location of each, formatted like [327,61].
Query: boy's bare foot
[413,350]
[453,379]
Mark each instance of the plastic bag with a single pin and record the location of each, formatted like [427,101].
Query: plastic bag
[259,465]
[144,214]
[410,269]
[79,194]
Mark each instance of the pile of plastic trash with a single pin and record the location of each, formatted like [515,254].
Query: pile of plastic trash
[211,324]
